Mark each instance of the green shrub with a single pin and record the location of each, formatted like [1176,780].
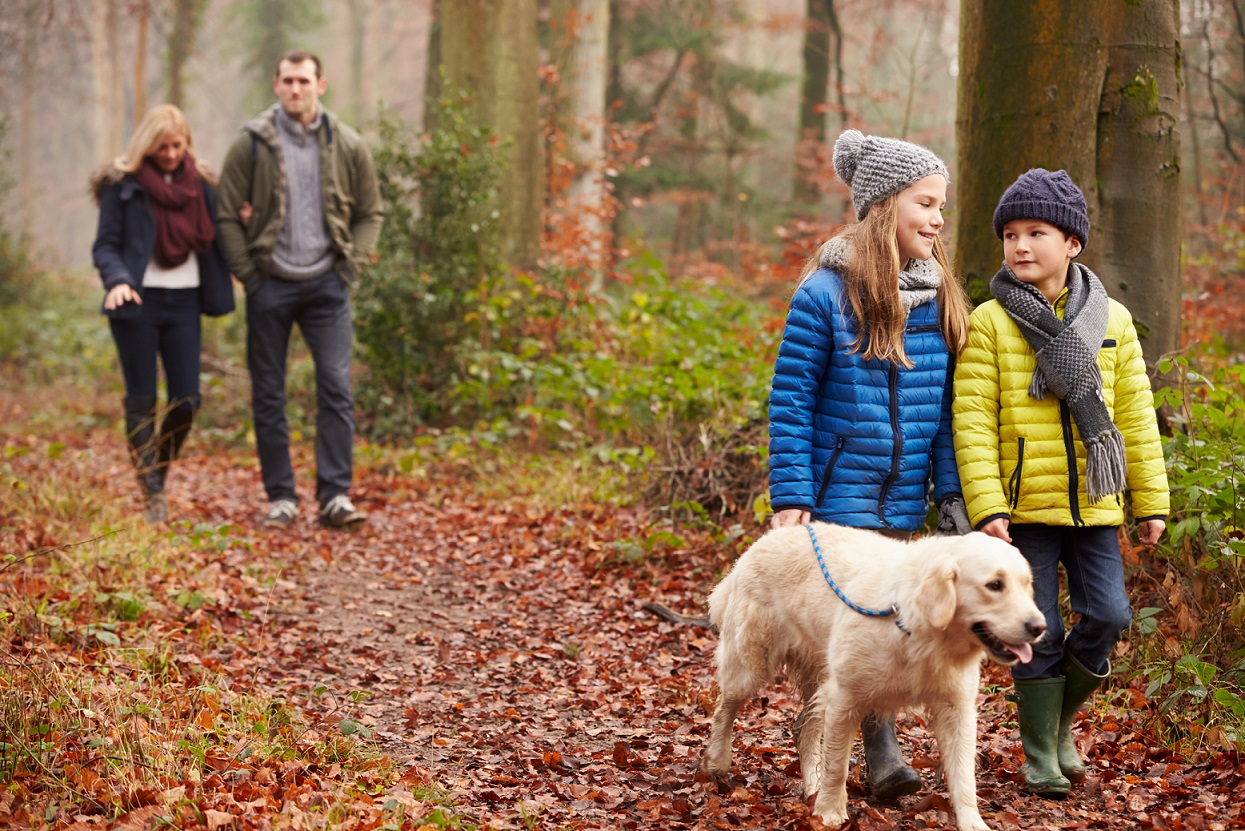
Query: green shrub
[438,249]
[1200,563]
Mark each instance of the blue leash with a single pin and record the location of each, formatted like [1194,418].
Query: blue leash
[892,611]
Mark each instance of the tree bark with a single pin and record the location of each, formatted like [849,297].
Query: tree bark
[181,45]
[1091,86]
[359,12]
[823,60]
[143,12]
[580,48]
[490,50]
[432,81]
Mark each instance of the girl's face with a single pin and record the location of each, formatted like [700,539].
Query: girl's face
[918,217]
[170,151]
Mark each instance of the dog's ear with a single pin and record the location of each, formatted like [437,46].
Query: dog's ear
[935,595]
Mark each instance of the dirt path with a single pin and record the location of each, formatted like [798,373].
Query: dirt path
[505,659]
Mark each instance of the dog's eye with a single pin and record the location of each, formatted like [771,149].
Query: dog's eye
[995,585]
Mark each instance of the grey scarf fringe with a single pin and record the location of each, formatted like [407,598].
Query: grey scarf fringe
[1066,353]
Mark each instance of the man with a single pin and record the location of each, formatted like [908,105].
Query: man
[299,212]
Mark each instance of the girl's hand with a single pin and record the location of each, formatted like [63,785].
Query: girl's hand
[1151,530]
[998,528]
[791,516]
[119,295]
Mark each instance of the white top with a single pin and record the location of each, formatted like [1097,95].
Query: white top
[184,276]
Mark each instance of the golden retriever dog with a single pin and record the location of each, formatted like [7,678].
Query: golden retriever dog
[952,601]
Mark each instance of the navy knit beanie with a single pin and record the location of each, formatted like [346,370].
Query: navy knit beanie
[1049,196]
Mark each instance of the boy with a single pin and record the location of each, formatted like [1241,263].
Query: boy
[1053,418]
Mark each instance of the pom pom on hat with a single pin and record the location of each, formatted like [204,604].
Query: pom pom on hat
[1049,196]
[875,167]
[847,154]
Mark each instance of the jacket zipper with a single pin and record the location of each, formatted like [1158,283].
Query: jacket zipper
[1014,482]
[825,480]
[897,440]
[1069,447]
[896,444]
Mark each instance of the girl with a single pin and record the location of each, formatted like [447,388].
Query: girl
[156,253]
[860,412]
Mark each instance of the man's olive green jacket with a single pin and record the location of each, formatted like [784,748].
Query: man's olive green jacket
[254,172]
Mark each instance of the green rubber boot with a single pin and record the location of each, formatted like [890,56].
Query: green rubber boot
[1079,685]
[1038,703]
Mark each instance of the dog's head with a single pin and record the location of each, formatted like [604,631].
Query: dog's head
[984,584]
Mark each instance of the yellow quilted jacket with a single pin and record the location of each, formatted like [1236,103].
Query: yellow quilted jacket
[1015,453]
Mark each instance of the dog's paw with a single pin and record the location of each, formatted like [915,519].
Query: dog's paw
[967,821]
[832,812]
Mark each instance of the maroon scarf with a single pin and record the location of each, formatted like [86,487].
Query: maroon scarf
[182,221]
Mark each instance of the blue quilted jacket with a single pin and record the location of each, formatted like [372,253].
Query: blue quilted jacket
[853,441]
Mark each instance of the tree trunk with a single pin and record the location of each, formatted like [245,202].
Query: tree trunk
[823,66]
[143,12]
[580,48]
[106,79]
[359,11]
[490,49]
[432,81]
[1091,86]
[1138,157]
[181,45]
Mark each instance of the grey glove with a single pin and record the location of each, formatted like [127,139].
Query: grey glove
[952,516]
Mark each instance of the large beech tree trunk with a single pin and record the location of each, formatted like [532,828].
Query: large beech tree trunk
[1092,86]
[489,48]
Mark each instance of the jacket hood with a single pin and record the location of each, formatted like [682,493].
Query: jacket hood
[109,175]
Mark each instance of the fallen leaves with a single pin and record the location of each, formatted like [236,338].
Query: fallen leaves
[497,655]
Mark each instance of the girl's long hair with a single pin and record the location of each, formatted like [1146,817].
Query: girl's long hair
[160,119]
[871,283]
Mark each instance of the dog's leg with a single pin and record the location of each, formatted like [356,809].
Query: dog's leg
[808,739]
[717,759]
[838,731]
[955,728]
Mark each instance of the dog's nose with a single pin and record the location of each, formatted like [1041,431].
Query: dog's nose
[1036,627]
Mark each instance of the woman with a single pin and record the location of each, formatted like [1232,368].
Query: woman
[157,255]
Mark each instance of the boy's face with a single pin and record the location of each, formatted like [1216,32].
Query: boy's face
[918,217]
[1038,253]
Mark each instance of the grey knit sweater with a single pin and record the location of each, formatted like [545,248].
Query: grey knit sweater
[304,249]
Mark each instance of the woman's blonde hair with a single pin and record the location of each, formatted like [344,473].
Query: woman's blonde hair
[871,283]
[160,119]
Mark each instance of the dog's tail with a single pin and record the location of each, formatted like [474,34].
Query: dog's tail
[668,614]
[720,600]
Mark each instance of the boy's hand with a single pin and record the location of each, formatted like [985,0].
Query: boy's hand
[1151,530]
[791,516]
[998,528]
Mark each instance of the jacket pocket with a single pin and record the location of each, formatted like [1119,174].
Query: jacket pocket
[825,479]
[1013,484]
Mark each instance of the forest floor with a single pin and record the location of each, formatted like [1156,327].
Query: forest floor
[497,654]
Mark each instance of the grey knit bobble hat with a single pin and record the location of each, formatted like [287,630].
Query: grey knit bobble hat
[875,167]
[1049,196]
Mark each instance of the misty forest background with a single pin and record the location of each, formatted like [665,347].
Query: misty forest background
[596,212]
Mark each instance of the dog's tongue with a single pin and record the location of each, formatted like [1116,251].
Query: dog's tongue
[1022,651]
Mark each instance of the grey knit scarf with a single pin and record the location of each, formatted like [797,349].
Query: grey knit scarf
[1067,365]
[918,283]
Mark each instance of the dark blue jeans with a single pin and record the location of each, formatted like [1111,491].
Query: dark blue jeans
[321,308]
[1095,573]
[168,325]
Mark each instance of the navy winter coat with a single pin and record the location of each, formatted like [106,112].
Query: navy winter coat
[853,441]
[126,238]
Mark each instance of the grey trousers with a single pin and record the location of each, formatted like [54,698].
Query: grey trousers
[321,308]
